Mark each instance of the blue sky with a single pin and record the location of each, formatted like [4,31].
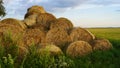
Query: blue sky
[84,13]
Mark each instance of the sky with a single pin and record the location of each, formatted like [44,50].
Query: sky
[83,13]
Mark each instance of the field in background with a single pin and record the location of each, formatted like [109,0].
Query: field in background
[109,33]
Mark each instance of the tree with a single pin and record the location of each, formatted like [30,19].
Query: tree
[2,9]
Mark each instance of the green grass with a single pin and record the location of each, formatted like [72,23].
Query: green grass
[97,59]
[109,33]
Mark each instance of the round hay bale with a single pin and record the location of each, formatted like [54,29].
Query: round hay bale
[34,10]
[45,19]
[32,37]
[58,37]
[10,35]
[81,34]
[30,20]
[14,30]
[49,49]
[12,21]
[79,48]
[101,44]
[62,23]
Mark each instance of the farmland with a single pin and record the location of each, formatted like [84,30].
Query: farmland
[109,33]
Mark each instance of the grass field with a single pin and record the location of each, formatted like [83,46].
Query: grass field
[109,33]
[97,59]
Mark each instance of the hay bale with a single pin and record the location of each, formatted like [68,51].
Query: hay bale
[34,10]
[101,44]
[9,36]
[45,19]
[49,49]
[79,48]
[62,23]
[15,22]
[30,20]
[32,36]
[81,34]
[14,30]
[7,27]
[58,37]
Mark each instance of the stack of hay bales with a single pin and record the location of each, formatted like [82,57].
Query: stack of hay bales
[59,34]
[37,16]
